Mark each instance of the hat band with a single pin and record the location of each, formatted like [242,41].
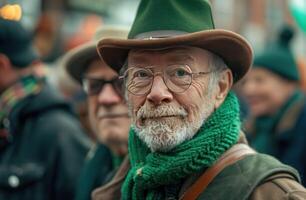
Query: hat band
[151,35]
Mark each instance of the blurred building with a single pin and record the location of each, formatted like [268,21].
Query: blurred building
[257,20]
[59,25]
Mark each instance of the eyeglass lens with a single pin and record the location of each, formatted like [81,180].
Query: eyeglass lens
[94,86]
[176,77]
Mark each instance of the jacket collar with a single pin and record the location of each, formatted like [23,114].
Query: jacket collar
[290,117]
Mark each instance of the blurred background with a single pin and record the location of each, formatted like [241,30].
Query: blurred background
[59,25]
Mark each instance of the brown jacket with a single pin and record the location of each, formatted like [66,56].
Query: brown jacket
[279,186]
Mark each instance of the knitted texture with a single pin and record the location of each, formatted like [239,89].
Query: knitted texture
[151,173]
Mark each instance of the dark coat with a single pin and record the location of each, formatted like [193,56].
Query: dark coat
[44,157]
[96,170]
[287,141]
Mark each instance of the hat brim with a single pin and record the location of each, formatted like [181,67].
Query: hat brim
[76,61]
[231,47]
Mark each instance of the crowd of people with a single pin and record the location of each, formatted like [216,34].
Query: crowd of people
[175,109]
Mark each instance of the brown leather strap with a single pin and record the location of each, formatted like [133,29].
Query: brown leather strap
[235,153]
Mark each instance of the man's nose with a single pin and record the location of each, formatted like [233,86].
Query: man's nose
[159,92]
[108,96]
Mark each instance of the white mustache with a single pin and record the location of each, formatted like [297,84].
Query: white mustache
[161,111]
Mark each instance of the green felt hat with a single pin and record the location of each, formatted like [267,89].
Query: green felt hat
[169,23]
[278,58]
[16,43]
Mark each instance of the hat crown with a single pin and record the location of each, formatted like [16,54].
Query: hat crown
[13,32]
[278,56]
[106,31]
[16,43]
[185,16]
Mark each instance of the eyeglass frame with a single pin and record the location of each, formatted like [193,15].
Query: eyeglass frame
[112,82]
[122,77]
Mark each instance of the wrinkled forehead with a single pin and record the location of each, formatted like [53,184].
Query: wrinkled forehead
[186,54]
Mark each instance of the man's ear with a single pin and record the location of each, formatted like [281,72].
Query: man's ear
[224,86]
[4,62]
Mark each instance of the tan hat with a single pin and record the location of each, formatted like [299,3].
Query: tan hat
[76,61]
[163,24]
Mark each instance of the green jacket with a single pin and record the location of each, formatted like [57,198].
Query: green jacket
[240,180]
[95,171]
[285,138]
[256,177]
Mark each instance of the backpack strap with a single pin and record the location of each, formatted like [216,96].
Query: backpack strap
[235,153]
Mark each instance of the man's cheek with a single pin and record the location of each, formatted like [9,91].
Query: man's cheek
[132,111]
[190,112]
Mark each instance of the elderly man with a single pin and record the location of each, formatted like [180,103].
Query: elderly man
[276,125]
[108,113]
[42,145]
[178,71]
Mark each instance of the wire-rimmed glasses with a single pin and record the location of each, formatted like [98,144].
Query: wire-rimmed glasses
[178,78]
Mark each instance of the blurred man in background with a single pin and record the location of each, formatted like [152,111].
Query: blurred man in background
[42,146]
[276,124]
[107,111]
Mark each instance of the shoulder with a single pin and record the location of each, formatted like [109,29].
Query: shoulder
[58,128]
[46,109]
[280,186]
[242,179]
[57,118]
[98,155]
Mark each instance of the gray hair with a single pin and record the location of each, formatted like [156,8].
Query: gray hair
[121,73]
[217,66]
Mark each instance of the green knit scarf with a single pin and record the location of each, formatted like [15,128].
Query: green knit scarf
[151,173]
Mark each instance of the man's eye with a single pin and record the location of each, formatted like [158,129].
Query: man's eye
[180,73]
[141,74]
[95,85]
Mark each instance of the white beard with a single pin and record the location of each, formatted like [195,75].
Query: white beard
[166,133]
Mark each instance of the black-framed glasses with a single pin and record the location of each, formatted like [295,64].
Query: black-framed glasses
[93,86]
[178,78]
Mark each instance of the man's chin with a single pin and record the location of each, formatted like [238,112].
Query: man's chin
[108,123]
[108,129]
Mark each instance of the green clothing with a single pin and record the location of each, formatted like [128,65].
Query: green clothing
[283,135]
[116,160]
[255,177]
[263,140]
[239,180]
[94,172]
[278,57]
[155,175]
